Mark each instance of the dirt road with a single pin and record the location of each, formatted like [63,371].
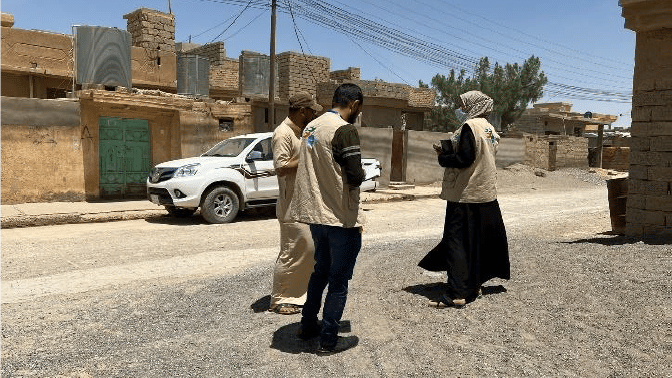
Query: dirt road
[187,299]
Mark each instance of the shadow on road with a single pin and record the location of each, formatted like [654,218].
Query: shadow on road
[432,291]
[611,239]
[285,339]
[262,304]
[196,219]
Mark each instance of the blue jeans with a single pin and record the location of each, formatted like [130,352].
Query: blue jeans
[336,250]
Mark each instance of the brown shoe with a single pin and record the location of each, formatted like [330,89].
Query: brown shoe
[443,302]
[286,309]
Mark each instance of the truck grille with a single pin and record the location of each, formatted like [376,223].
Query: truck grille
[161,174]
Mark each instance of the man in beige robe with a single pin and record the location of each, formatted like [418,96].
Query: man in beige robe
[296,259]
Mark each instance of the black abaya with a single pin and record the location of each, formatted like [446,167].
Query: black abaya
[474,247]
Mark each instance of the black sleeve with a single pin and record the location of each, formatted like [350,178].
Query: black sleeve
[465,154]
[347,153]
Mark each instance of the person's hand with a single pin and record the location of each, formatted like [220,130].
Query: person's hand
[437,148]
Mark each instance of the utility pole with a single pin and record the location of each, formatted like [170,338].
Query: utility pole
[271,85]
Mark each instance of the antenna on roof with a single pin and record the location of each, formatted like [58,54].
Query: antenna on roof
[169,9]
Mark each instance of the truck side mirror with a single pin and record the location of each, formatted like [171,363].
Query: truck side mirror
[254,155]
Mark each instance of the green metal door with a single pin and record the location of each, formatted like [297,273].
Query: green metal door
[125,157]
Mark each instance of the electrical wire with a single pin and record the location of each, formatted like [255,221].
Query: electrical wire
[234,21]
[358,27]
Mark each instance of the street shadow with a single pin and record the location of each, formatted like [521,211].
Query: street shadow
[262,304]
[176,221]
[286,340]
[612,239]
[433,291]
[249,215]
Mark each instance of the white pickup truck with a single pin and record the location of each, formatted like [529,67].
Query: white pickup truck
[234,175]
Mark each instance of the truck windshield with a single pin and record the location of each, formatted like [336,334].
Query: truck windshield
[229,147]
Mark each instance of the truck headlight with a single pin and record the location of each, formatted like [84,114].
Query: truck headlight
[187,170]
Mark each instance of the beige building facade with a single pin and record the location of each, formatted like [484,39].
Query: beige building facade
[557,118]
[63,140]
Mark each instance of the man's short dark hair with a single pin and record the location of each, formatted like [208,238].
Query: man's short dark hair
[345,93]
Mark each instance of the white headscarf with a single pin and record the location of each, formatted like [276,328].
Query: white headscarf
[476,104]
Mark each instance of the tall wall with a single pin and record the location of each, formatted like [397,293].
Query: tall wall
[300,73]
[377,143]
[42,156]
[649,203]
[510,151]
[422,166]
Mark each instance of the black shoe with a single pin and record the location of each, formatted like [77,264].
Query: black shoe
[342,344]
[308,332]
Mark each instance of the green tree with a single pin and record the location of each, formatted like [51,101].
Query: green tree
[512,87]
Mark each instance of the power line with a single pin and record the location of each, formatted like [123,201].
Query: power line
[246,25]
[299,40]
[562,66]
[539,39]
[355,26]
[234,20]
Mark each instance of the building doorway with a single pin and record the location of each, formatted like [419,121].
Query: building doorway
[125,157]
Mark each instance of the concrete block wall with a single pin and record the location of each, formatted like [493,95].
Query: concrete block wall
[572,152]
[225,75]
[215,52]
[616,158]
[649,205]
[421,97]
[351,73]
[300,73]
[151,29]
[223,71]
[569,151]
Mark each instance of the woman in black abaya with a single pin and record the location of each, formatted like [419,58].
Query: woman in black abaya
[474,247]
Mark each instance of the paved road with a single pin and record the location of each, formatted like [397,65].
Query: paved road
[173,297]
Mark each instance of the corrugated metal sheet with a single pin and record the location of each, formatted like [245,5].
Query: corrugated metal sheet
[103,56]
[255,75]
[193,75]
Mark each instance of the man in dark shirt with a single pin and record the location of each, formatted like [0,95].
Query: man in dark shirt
[326,196]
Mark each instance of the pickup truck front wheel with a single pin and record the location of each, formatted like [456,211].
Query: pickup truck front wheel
[220,205]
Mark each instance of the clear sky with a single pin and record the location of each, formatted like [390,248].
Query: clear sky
[580,43]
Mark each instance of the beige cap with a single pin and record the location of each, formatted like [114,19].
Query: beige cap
[304,100]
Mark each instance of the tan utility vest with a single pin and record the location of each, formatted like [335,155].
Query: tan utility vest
[476,183]
[321,193]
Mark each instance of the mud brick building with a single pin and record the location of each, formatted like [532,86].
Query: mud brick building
[68,139]
[64,140]
[649,203]
[551,152]
[557,119]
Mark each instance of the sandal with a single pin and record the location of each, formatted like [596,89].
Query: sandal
[444,302]
[287,309]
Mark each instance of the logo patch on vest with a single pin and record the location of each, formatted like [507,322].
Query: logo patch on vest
[309,136]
